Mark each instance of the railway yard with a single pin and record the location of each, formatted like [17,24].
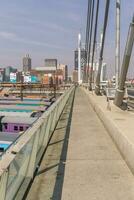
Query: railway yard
[18,113]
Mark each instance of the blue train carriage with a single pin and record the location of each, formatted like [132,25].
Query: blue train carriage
[6,140]
[23,109]
[4,146]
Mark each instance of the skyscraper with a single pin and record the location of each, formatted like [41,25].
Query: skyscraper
[64,69]
[51,63]
[83,58]
[9,70]
[27,63]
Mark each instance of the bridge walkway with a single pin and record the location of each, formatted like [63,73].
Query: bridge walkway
[82,161]
[94,167]
[48,181]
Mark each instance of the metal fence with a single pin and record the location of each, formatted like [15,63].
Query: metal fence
[19,163]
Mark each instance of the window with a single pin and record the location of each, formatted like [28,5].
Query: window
[5,126]
[21,128]
[1,149]
[16,128]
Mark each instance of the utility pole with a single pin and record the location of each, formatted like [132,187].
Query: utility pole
[126,60]
[117,51]
[79,58]
[97,86]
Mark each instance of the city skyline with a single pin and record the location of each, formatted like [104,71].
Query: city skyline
[50,28]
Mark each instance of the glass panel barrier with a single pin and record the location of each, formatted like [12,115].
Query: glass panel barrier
[17,169]
[30,147]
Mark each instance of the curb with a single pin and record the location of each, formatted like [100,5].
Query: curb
[125,146]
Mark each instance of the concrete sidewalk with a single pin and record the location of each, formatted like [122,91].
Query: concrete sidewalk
[48,181]
[119,123]
[94,167]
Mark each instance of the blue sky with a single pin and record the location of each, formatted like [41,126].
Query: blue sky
[49,28]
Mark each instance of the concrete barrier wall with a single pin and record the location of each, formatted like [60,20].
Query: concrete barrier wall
[123,143]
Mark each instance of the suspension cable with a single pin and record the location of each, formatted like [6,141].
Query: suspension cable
[90,38]
[97,87]
[88,21]
[94,43]
[87,34]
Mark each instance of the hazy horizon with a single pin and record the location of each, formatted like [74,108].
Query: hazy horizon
[48,29]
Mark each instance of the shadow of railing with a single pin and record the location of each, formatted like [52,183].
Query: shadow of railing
[46,169]
[59,141]
[61,169]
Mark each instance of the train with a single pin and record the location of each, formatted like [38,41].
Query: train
[6,139]
[15,124]
[17,116]
[25,103]
[23,108]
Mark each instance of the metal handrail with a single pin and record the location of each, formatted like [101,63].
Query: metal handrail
[22,158]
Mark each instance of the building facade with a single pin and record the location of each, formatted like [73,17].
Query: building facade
[51,63]
[9,70]
[2,74]
[27,63]
[64,69]
[83,58]
[75,76]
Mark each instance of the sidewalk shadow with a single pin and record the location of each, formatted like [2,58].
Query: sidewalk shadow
[61,169]
[46,169]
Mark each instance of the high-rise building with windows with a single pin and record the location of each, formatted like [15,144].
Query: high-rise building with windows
[64,69]
[51,64]
[83,58]
[9,70]
[27,63]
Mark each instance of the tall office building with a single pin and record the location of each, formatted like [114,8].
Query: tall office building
[75,76]
[51,64]
[27,63]
[9,70]
[64,69]
[2,74]
[83,58]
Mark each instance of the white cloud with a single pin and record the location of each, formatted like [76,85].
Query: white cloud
[13,37]
[7,35]
[37,43]
[49,25]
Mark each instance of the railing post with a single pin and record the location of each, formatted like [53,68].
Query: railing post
[54,120]
[31,165]
[47,130]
